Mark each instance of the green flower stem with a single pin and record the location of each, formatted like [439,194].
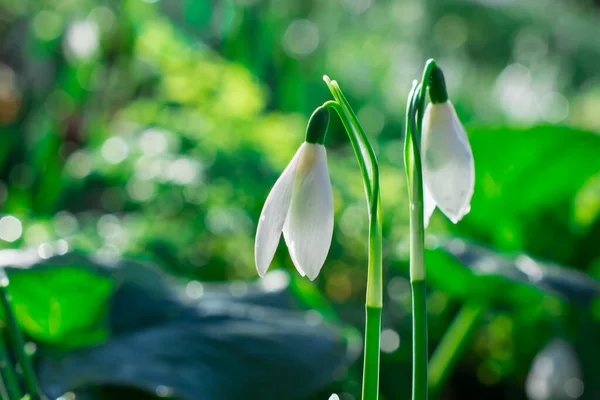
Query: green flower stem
[452,346]
[18,343]
[7,372]
[417,241]
[370,389]
[374,299]
[419,309]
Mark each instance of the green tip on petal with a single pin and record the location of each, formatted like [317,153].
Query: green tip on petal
[437,86]
[317,126]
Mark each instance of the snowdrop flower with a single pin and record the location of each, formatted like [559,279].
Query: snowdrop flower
[300,206]
[555,373]
[334,397]
[447,160]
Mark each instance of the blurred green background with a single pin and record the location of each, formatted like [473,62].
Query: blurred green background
[155,129]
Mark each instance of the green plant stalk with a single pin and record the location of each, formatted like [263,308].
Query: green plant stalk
[419,295]
[417,242]
[7,372]
[18,343]
[374,299]
[419,309]
[370,388]
[453,344]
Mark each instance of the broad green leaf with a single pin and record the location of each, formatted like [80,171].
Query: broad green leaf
[469,271]
[448,274]
[526,184]
[218,356]
[517,269]
[62,301]
[194,341]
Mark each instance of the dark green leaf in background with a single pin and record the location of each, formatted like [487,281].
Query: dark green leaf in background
[230,351]
[192,340]
[216,341]
[519,269]
[525,189]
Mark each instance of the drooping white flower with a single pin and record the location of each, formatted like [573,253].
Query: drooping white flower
[447,162]
[300,206]
[334,397]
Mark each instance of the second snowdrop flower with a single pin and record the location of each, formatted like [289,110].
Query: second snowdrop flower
[300,206]
[447,159]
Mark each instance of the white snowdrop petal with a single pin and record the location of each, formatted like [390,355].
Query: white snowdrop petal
[309,227]
[448,169]
[428,205]
[273,217]
[291,250]
[334,397]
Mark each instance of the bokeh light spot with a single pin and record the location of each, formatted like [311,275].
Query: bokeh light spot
[47,25]
[35,234]
[390,341]
[451,32]
[275,280]
[301,38]
[183,170]
[141,190]
[61,247]
[313,317]
[516,94]
[115,150]
[45,250]
[65,223]
[529,47]
[109,226]
[30,348]
[153,142]
[574,388]
[194,290]
[82,39]
[104,17]
[10,228]
[398,289]
[164,391]
[372,119]
[79,164]
[554,107]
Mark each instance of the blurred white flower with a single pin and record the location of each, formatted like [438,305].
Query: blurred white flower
[301,206]
[555,374]
[334,397]
[447,161]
